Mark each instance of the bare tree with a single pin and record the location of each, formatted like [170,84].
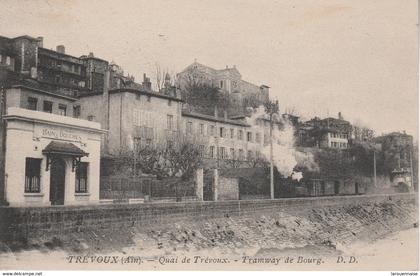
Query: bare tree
[258,162]
[161,77]
[291,110]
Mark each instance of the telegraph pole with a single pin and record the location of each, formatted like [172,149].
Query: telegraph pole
[374,167]
[271,108]
[411,170]
[271,159]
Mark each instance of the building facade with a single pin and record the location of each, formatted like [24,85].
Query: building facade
[228,80]
[50,159]
[58,105]
[397,152]
[134,117]
[48,156]
[325,133]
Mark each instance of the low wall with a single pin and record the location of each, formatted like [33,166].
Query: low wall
[23,225]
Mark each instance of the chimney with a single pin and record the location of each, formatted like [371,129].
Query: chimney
[91,55]
[40,41]
[340,116]
[227,67]
[146,83]
[61,49]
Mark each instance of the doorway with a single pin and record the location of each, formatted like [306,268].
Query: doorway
[57,181]
[336,187]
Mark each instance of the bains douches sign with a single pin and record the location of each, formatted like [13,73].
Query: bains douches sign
[59,133]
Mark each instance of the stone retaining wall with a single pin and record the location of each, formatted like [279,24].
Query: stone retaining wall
[21,225]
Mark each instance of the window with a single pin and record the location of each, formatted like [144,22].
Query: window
[170,122]
[149,98]
[137,143]
[201,129]
[32,175]
[8,60]
[189,127]
[232,133]
[266,139]
[250,156]
[241,154]
[138,96]
[62,109]
[240,134]
[232,153]
[148,142]
[258,137]
[47,106]
[222,132]
[221,84]
[169,102]
[201,150]
[76,111]
[211,151]
[81,177]
[32,103]
[249,136]
[210,130]
[222,153]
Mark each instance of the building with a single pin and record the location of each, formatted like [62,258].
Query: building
[134,117]
[325,133]
[48,155]
[228,80]
[397,153]
[224,140]
[70,111]
[50,159]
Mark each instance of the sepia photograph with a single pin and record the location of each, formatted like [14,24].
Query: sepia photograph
[198,135]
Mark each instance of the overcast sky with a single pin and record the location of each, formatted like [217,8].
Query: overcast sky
[319,57]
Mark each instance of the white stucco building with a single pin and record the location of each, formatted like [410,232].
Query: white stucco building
[50,159]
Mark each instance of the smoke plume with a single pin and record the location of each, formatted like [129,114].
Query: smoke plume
[285,155]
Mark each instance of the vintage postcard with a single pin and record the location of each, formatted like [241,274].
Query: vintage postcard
[209,135]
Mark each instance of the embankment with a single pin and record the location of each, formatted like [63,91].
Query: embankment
[232,226]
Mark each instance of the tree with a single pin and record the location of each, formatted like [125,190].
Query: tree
[164,77]
[252,162]
[177,160]
[202,96]
[362,133]
[251,101]
[258,161]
